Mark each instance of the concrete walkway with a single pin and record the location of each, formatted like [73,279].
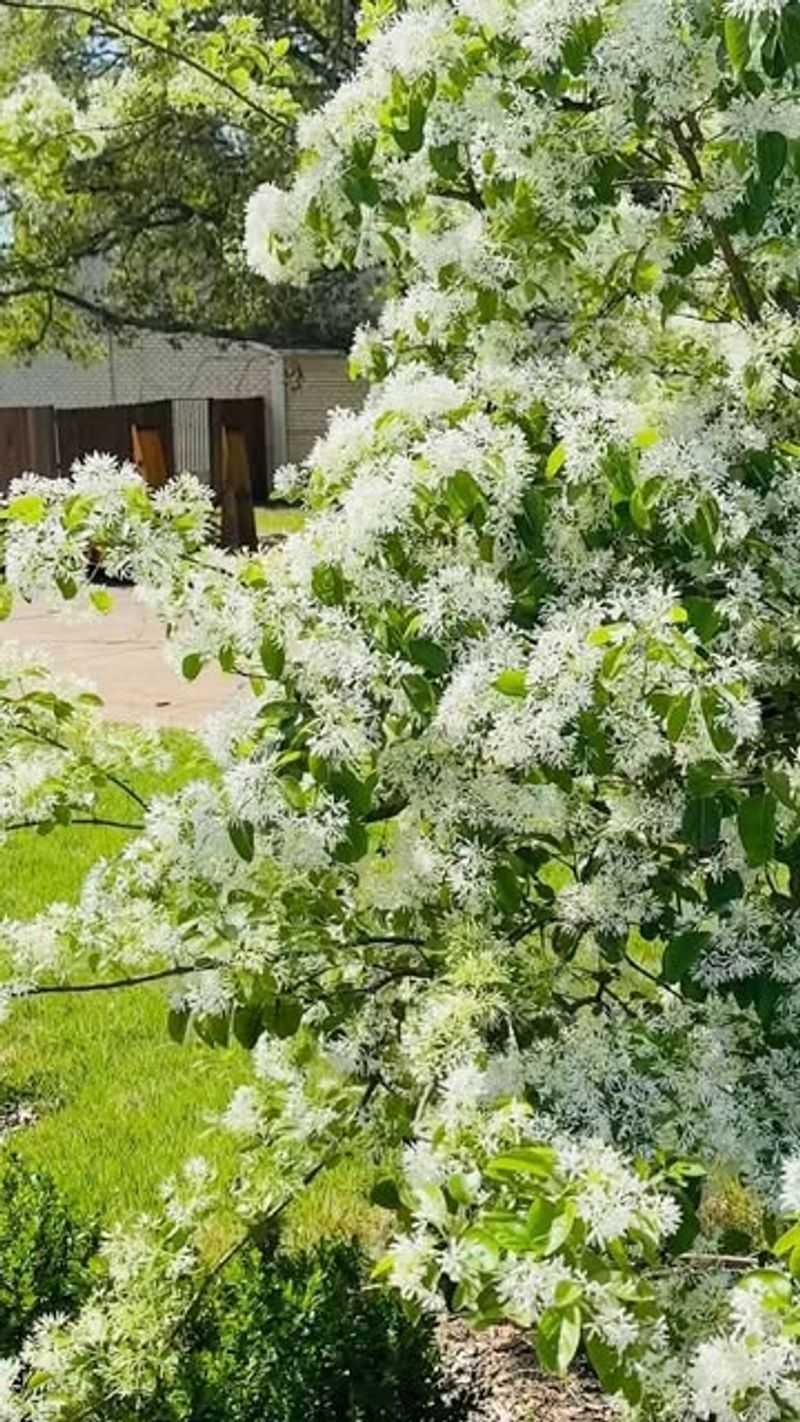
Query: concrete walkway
[121,654]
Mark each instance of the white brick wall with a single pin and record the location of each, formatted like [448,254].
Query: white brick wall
[150,369]
[298,389]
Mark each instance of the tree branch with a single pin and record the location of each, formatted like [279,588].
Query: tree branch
[35,734]
[164,324]
[68,989]
[738,273]
[91,823]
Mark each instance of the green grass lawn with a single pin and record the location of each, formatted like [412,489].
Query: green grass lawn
[120,1105]
[275,519]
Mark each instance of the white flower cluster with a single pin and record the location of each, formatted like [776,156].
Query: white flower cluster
[754,1369]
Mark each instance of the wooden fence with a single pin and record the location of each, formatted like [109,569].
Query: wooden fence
[49,441]
[108,428]
[27,442]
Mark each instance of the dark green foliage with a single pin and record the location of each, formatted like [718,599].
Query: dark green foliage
[306,1338]
[44,1251]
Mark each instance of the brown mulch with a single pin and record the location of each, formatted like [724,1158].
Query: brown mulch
[494,1377]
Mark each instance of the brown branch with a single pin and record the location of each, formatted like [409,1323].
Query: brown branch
[738,273]
[67,989]
[87,822]
[163,323]
[105,22]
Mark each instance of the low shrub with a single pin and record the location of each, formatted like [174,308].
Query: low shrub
[44,1251]
[304,1338]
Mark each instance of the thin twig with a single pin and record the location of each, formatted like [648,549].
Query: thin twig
[738,274]
[88,823]
[65,989]
[35,734]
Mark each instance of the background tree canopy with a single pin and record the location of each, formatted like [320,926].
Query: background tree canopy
[130,140]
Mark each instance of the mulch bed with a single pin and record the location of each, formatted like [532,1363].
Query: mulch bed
[494,1377]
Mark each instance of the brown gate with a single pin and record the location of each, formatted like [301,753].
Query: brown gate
[247,416]
[108,428]
[27,442]
[238,466]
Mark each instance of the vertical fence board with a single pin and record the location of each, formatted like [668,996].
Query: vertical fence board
[27,442]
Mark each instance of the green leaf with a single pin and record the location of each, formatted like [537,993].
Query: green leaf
[715,717]
[487,302]
[609,632]
[6,602]
[681,954]
[512,683]
[411,138]
[704,618]
[353,846]
[704,527]
[28,508]
[178,1024]
[214,1029]
[737,41]
[420,694]
[243,839]
[613,660]
[273,657]
[328,584]
[538,1161]
[781,786]
[790,32]
[293,792]
[503,1228]
[386,1194]
[557,1338]
[646,438]
[247,1025]
[702,821]
[678,716]
[463,493]
[646,276]
[556,461]
[102,601]
[610,1369]
[445,161]
[756,821]
[192,665]
[550,1225]
[75,511]
[643,500]
[508,888]
[788,1241]
[67,587]
[361,188]
[724,890]
[283,1016]
[772,150]
[429,655]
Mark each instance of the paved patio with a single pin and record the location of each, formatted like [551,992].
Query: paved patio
[121,654]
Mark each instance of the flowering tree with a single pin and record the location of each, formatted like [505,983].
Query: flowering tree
[130,140]
[502,864]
